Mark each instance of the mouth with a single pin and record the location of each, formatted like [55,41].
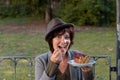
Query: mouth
[61,47]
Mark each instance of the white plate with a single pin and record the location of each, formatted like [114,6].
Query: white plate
[91,62]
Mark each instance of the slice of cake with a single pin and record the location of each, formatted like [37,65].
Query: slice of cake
[81,58]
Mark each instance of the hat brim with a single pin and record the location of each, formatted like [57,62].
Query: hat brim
[58,28]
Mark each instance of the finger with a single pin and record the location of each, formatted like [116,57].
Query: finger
[56,53]
[86,69]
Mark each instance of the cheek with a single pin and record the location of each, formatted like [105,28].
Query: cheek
[68,41]
[55,44]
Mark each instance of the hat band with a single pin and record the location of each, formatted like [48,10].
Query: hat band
[57,25]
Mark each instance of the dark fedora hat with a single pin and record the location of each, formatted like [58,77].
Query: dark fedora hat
[56,24]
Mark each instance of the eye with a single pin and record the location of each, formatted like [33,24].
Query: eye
[67,37]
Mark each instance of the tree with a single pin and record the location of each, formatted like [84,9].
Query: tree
[51,8]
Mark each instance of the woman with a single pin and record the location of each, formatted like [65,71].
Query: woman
[53,65]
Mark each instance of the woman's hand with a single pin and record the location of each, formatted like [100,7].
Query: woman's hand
[86,68]
[56,56]
[87,72]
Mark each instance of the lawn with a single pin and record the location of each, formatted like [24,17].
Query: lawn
[91,42]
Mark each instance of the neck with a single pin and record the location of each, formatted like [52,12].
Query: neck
[65,57]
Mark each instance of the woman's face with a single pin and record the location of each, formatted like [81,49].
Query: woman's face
[61,42]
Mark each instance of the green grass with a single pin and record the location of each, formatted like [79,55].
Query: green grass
[17,20]
[90,42]
[22,44]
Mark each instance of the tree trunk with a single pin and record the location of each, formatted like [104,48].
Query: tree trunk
[7,2]
[48,14]
[51,8]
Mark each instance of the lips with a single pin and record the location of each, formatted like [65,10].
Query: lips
[64,46]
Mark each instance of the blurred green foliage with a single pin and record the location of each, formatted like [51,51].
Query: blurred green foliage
[89,12]
[80,12]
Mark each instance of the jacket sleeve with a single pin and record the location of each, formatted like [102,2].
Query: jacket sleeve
[44,69]
[51,68]
[40,73]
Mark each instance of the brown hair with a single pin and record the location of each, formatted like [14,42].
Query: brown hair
[70,30]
